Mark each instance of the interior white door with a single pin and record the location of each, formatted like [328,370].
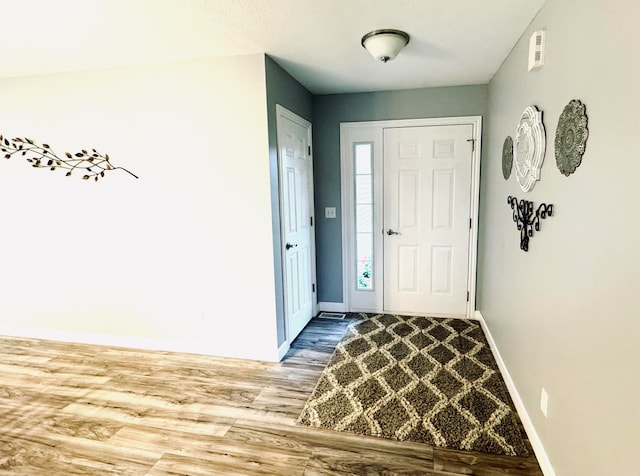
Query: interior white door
[296,201]
[427,203]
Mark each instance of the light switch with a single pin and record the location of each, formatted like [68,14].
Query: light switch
[330,212]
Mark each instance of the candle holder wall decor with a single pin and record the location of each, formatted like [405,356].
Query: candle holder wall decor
[527,219]
[88,164]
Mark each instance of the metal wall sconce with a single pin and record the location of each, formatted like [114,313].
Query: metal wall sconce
[528,220]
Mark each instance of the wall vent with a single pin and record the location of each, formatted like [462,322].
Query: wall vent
[536,50]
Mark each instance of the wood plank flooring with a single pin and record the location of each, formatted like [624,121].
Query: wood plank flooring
[74,409]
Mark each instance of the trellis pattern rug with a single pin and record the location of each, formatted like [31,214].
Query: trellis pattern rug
[423,379]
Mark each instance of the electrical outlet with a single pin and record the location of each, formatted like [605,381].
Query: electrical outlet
[544,402]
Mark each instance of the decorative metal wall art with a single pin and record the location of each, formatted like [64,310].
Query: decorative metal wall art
[91,164]
[526,219]
[571,137]
[530,146]
[507,157]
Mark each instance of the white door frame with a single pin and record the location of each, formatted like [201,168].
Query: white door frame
[281,113]
[372,131]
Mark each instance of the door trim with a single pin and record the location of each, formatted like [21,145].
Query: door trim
[284,113]
[372,131]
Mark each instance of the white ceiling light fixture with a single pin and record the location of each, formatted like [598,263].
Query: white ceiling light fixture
[384,45]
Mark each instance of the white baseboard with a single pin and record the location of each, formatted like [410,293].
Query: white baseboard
[283,349]
[332,307]
[538,449]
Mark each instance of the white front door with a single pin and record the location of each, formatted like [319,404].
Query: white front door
[427,210]
[296,204]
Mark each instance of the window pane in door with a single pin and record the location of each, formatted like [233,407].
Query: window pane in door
[363,158]
[363,190]
[365,275]
[364,219]
[364,246]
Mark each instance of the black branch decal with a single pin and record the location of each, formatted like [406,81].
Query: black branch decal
[88,164]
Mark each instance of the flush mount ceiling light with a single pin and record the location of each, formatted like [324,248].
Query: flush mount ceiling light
[384,45]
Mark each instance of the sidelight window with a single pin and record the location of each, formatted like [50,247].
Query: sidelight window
[363,155]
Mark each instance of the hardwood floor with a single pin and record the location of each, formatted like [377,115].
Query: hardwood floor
[73,409]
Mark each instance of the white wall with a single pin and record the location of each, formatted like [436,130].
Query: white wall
[564,315]
[181,258]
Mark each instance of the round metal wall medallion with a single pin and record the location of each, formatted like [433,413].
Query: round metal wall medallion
[571,137]
[507,157]
[529,148]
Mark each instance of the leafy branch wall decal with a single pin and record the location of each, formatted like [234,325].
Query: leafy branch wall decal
[91,164]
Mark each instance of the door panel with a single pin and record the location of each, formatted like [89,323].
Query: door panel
[407,269]
[427,206]
[441,269]
[408,199]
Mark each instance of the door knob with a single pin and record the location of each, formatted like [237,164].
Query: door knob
[391,232]
[288,246]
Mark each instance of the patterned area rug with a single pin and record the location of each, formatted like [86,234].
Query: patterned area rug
[423,379]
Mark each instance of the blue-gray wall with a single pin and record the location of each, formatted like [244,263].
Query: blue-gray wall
[282,89]
[328,112]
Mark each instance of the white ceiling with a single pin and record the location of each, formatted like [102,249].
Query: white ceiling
[453,42]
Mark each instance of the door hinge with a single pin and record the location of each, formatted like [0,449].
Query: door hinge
[309,149]
[467,296]
[470,223]
[311,220]
[473,144]
[313,289]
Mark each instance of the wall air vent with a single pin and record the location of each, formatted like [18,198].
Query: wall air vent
[536,50]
